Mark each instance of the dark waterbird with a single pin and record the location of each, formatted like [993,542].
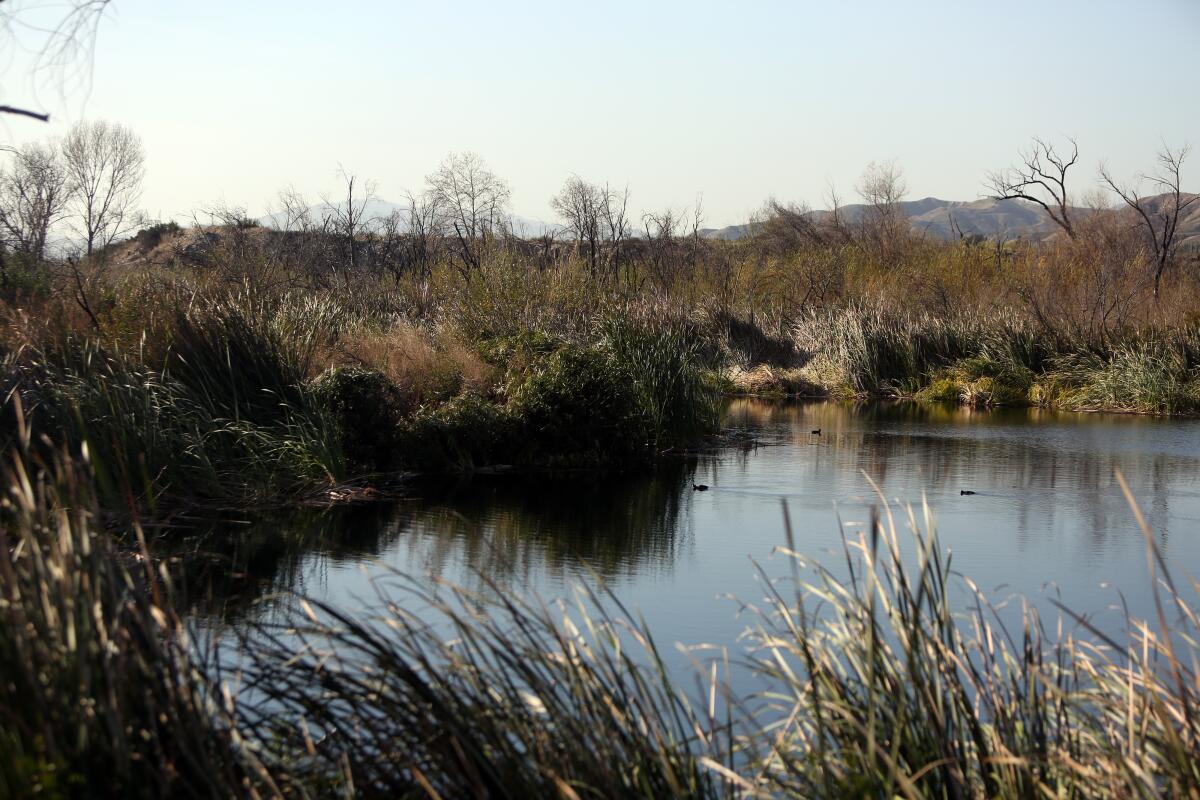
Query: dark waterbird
[966,491]
[699,487]
[817,432]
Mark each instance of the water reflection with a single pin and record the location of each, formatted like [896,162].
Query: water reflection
[1047,511]
[1044,465]
[613,527]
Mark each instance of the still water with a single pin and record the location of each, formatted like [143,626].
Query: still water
[1047,520]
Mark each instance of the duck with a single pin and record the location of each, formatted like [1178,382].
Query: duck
[965,492]
[817,432]
[699,487]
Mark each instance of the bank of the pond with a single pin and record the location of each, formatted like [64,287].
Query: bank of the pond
[1001,359]
[230,407]
[862,353]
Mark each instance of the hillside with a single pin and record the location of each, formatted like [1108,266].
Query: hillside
[992,219]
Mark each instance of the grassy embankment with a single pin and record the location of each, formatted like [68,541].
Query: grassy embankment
[237,397]
[262,366]
[875,686]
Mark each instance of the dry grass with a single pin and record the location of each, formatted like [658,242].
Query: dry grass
[427,368]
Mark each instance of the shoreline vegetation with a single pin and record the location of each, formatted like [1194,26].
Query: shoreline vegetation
[234,364]
[872,685]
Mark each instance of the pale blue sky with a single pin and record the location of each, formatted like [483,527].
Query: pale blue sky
[235,100]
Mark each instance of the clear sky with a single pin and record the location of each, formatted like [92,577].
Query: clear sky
[237,99]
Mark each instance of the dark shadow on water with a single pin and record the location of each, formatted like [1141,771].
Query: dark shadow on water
[595,524]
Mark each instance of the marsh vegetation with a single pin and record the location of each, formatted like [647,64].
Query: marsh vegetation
[230,364]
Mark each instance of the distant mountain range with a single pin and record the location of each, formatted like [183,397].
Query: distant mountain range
[940,219]
[992,219]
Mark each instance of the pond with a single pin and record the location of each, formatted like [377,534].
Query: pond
[1047,519]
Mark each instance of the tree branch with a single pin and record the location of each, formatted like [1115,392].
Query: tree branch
[24,113]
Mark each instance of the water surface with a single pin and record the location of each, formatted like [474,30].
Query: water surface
[1047,520]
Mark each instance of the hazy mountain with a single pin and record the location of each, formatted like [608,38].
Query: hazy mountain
[941,219]
[1009,219]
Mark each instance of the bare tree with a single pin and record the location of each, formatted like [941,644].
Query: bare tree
[306,241]
[835,221]
[106,164]
[34,192]
[471,200]
[884,225]
[409,239]
[581,206]
[1158,216]
[348,219]
[295,213]
[662,250]
[615,214]
[1040,178]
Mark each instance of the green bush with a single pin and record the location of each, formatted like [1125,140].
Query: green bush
[22,279]
[577,408]
[368,411]
[467,432]
[943,389]
[662,360]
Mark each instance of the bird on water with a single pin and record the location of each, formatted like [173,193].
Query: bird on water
[699,487]
[817,432]
[965,491]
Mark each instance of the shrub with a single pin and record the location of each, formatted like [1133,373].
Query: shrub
[462,434]
[21,279]
[368,411]
[149,238]
[943,389]
[577,408]
[426,368]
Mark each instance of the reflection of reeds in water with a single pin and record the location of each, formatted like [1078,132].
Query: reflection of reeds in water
[940,448]
[875,685]
[608,526]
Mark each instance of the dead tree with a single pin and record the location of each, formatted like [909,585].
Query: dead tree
[883,226]
[1040,178]
[34,192]
[106,164]
[471,200]
[662,249]
[61,35]
[580,205]
[615,213]
[1158,216]
[348,219]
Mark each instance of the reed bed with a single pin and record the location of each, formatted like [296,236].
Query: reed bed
[873,349]
[101,694]
[887,686]
[888,676]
